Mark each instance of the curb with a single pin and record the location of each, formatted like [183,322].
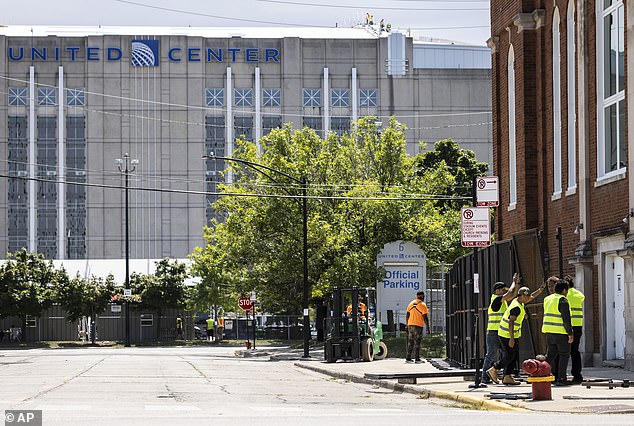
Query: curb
[424,392]
[242,353]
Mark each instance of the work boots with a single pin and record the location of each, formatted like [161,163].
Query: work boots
[509,380]
[493,374]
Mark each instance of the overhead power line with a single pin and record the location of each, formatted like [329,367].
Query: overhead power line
[369,7]
[238,194]
[221,110]
[207,15]
[288,24]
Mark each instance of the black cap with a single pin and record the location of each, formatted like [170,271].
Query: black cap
[499,284]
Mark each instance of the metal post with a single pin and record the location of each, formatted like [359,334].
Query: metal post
[561,254]
[475,306]
[127,254]
[305,261]
[263,169]
[124,167]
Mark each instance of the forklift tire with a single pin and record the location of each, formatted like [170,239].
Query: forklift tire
[382,354]
[367,349]
[329,353]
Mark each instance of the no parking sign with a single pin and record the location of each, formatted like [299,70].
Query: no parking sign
[476,227]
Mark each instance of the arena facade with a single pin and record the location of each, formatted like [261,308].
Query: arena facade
[75,99]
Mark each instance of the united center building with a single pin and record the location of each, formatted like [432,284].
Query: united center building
[73,100]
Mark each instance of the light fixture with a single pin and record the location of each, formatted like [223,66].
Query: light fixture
[578,228]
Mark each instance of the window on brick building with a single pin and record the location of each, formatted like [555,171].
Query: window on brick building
[511,109]
[556,104]
[571,96]
[611,87]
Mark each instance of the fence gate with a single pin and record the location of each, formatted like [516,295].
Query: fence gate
[497,262]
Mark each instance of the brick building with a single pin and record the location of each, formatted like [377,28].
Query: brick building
[561,149]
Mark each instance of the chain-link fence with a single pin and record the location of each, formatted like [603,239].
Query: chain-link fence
[435,297]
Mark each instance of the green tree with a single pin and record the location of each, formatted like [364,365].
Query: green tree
[462,164]
[165,289]
[85,297]
[27,285]
[259,246]
[213,288]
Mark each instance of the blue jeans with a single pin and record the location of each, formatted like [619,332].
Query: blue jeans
[493,352]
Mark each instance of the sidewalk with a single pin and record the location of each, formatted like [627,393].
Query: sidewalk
[571,399]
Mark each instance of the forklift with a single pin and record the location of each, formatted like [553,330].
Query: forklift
[352,331]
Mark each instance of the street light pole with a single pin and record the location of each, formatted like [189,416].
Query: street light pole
[305,261]
[124,167]
[262,169]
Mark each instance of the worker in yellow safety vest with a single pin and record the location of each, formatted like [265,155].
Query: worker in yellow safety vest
[502,294]
[509,333]
[179,327]
[575,299]
[558,329]
[210,329]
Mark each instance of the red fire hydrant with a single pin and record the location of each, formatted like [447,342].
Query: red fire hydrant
[540,377]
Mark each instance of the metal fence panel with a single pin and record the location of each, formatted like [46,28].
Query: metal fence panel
[495,263]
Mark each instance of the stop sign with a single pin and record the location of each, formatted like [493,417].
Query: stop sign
[245,303]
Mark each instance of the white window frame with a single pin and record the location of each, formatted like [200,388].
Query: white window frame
[512,135]
[556,51]
[614,100]
[271,97]
[312,97]
[18,96]
[571,51]
[215,97]
[368,97]
[75,97]
[243,97]
[340,97]
[46,96]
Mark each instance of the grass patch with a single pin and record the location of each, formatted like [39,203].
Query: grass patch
[463,407]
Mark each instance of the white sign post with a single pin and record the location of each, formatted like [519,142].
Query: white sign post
[476,227]
[487,192]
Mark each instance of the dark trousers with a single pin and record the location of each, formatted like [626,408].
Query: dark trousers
[509,356]
[575,355]
[558,347]
[413,341]
[493,351]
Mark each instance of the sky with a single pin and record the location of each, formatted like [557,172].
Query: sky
[459,20]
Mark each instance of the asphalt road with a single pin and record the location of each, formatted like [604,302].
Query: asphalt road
[210,386]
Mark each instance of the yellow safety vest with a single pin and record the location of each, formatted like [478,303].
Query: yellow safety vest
[494,317]
[553,322]
[503,330]
[575,299]
[210,324]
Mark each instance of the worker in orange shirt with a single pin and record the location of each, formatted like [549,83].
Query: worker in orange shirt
[361,307]
[417,317]
[220,330]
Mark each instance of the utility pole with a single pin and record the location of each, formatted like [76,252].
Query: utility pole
[124,167]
